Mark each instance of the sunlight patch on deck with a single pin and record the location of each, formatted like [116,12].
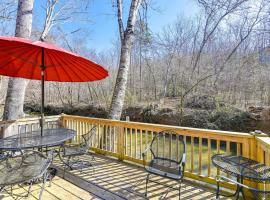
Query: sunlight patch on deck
[126,181]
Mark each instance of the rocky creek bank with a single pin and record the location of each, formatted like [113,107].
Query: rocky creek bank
[200,112]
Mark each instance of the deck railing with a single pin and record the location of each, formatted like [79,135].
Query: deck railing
[127,140]
[8,128]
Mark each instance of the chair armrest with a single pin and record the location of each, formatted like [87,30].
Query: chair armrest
[144,155]
[183,161]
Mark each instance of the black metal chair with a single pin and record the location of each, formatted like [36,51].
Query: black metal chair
[70,153]
[29,167]
[168,154]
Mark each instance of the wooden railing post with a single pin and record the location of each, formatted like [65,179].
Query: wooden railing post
[121,143]
[61,121]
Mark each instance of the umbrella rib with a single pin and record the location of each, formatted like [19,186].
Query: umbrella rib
[89,69]
[72,70]
[34,67]
[79,69]
[21,67]
[56,58]
[55,68]
[11,60]
[18,56]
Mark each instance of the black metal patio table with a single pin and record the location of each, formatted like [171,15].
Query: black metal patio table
[243,169]
[33,139]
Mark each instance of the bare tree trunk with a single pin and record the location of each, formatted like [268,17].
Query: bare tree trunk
[16,86]
[127,37]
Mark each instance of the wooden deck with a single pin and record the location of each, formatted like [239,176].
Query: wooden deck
[60,189]
[111,179]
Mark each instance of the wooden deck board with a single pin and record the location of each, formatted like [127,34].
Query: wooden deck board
[110,180]
[127,181]
[59,190]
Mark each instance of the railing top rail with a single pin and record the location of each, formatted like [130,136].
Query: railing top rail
[264,140]
[30,119]
[158,127]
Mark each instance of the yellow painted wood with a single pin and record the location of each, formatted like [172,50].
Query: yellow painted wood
[200,156]
[252,146]
[218,151]
[136,138]
[141,143]
[209,161]
[228,147]
[238,149]
[126,138]
[130,142]
[120,143]
[170,147]
[192,155]
[246,147]
[158,127]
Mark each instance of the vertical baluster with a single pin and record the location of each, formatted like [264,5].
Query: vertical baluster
[209,157]
[228,150]
[152,136]
[141,144]
[170,147]
[163,149]
[78,130]
[146,142]
[218,151]
[102,137]
[67,123]
[110,137]
[238,147]
[200,155]
[228,147]
[99,136]
[157,143]
[81,130]
[130,150]
[192,154]
[114,141]
[126,142]
[177,140]
[135,149]
[106,137]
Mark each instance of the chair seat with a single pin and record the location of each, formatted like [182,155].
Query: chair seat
[73,151]
[165,167]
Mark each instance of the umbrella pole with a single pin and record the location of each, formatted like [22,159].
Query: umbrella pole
[42,91]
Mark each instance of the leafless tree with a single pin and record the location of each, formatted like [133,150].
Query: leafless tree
[127,37]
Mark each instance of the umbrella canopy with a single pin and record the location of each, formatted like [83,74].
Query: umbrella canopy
[22,58]
[38,60]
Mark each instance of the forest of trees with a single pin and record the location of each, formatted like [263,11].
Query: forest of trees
[222,52]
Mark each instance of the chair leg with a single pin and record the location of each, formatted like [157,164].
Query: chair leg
[180,182]
[218,187]
[147,180]
[29,189]
[45,177]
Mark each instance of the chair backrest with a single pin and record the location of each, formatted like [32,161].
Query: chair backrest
[168,145]
[87,137]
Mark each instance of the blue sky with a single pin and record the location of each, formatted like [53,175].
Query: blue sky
[104,29]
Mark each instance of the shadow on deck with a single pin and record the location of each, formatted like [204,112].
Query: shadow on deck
[112,179]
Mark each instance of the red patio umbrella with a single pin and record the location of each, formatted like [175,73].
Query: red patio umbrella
[38,60]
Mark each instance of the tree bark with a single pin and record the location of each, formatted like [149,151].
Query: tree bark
[127,37]
[16,87]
